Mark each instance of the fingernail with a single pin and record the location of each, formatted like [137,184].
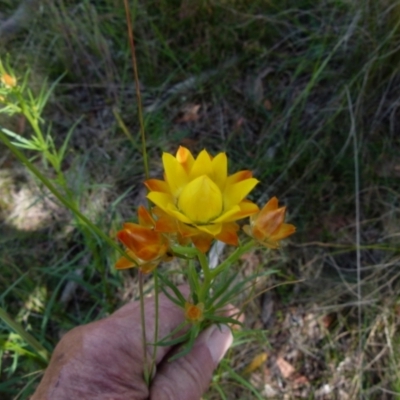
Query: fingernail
[218,339]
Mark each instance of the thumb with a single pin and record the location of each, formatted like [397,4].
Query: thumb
[188,377]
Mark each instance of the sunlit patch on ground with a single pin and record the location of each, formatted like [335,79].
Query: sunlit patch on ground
[23,206]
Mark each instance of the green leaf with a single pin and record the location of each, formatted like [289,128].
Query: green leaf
[17,328]
[63,148]
[224,320]
[194,332]
[21,141]
[180,300]
[244,382]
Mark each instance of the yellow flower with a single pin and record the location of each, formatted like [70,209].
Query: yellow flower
[199,197]
[268,225]
[8,80]
[143,244]
[194,312]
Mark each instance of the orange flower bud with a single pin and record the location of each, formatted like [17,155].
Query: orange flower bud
[145,247]
[8,80]
[268,226]
[194,312]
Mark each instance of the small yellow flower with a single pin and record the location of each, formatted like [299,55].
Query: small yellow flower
[194,312]
[201,198]
[8,80]
[268,226]
[143,244]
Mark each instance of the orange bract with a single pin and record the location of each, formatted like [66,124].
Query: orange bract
[268,226]
[199,200]
[144,245]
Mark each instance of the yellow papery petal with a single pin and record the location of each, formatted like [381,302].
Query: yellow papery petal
[202,166]
[201,200]
[161,199]
[244,209]
[248,207]
[173,211]
[213,229]
[239,176]
[156,185]
[175,174]
[235,193]
[220,170]
[185,158]
[225,217]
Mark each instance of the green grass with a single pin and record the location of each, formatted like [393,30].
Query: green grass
[308,76]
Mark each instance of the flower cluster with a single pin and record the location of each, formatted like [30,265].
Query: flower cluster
[198,202]
[7,80]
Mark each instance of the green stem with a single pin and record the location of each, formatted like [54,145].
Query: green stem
[146,371]
[15,326]
[156,289]
[208,277]
[233,257]
[193,277]
[184,251]
[99,266]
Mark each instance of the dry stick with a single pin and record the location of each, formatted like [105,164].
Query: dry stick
[137,88]
[358,234]
[147,372]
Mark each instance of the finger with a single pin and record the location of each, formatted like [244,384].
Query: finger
[128,320]
[188,377]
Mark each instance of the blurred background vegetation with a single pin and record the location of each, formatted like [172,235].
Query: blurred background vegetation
[304,93]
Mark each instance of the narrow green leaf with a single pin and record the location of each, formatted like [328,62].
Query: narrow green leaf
[224,320]
[178,294]
[244,382]
[17,328]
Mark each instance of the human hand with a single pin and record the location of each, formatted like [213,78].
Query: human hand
[105,360]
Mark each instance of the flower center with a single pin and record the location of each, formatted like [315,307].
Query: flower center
[201,200]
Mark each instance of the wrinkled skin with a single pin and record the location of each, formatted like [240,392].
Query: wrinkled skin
[104,359]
